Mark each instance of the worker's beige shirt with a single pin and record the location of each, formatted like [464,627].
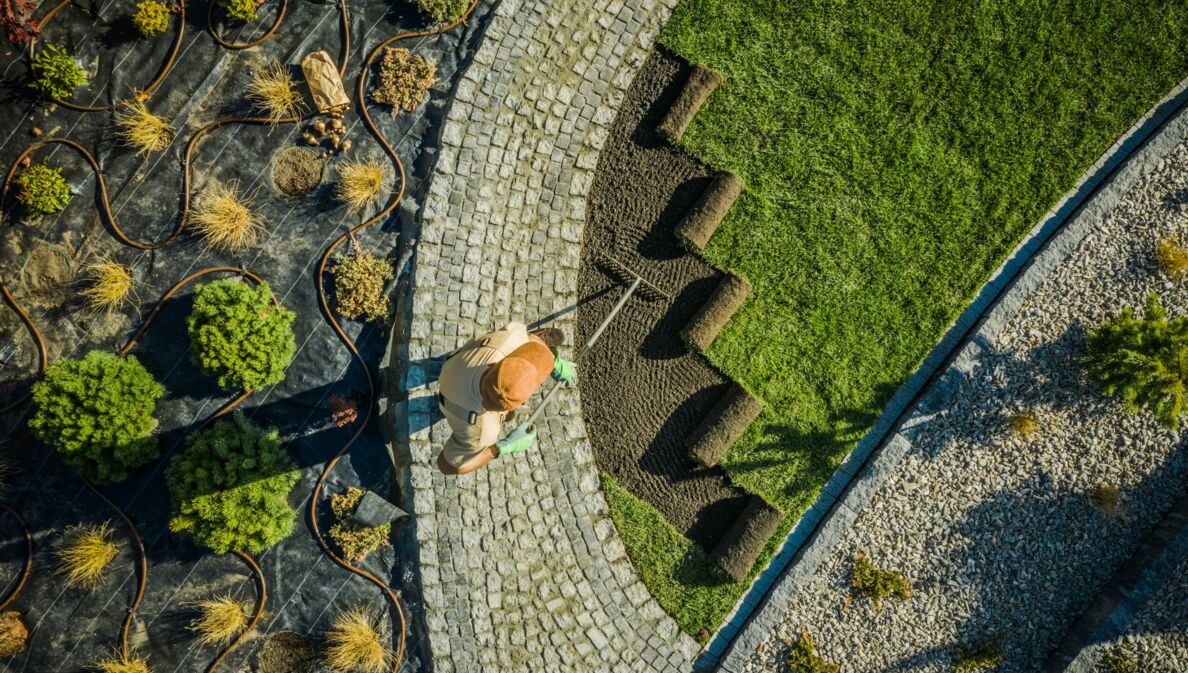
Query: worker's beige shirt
[474,428]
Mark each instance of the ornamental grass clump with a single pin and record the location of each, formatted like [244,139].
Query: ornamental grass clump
[85,556]
[151,17]
[225,220]
[1142,361]
[359,285]
[219,619]
[354,644]
[359,183]
[272,91]
[802,658]
[1172,259]
[239,335]
[123,663]
[110,284]
[1105,498]
[140,129]
[354,539]
[875,583]
[98,413]
[55,73]
[444,11]
[42,189]
[230,487]
[244,10]
[404,80]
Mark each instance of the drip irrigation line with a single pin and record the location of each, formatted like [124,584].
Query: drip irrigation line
[141,565]
[27,567]
[227,44]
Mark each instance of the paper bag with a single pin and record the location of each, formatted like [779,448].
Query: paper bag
[325,85]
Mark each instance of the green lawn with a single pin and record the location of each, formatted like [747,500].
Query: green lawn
[894,152]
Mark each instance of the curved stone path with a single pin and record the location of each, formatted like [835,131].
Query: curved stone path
[520,566]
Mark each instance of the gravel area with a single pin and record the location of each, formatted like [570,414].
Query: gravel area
[997,531]
[1158,637]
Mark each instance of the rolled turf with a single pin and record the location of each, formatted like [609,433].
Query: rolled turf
[702,220]
[713,315]
[723,425]
[737,551]
[697,90]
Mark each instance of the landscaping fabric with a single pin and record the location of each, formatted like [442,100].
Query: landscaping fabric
[42,264]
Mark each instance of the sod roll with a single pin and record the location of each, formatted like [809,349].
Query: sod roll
[701,83]
[722,427]
[739,548]
[713,315]
[702,220]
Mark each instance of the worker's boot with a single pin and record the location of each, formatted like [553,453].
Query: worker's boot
[552,336]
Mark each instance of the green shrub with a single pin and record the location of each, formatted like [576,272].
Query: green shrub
[1142,361]
[404,80]
[230,487]
[151,17]
[359,285]
[98,413]
[239,335]
[444,11]
[42,189]
[981,658]
[55,74]
[1118,660]
[1024,423]
[244,10]
[875,583]
[355,540]
[803,658]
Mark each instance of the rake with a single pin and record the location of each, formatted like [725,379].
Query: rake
[635,284]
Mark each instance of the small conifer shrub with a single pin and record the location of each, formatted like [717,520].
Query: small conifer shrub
[404,80]
[244,10]
[1024,423]
[230,487]
[359,285]
[239,335]
[803,658]
[444,11]
[42,189]
[875,583]
[151,17]
[1172,259]
[98,413]
[1118,659]
[14,635]
[55,73]
[983,657]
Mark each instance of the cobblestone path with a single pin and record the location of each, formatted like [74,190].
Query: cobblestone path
[521,568]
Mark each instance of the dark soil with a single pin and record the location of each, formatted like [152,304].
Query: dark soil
[297,171]
[286,652]
[643,391]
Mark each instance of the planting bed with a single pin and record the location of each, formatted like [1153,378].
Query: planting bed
[40,264]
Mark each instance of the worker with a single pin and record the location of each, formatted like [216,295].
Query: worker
[484,382]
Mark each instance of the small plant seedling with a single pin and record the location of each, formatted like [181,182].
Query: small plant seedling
[444,11]
[244,10]
[140,129]
[983,657]
[151,17]
[272,91]
[225,220]
[359,285]
[356,541]
[86,555]
[1105,498]
[42,189]
[354,644]
[802,658]
[359,183]
[870,581]
[219,619]
[404,80]
[111,283]
[1118,660]
[343,410]
[1024,423]
[123,663]
[1172,259]
[55,73]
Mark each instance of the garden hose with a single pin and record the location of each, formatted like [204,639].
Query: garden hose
[27,567]
[280,16]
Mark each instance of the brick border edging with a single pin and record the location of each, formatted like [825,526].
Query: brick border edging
[876,455]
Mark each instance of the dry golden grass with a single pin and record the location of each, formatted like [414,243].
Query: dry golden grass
[119,663]
[272,90]
[219,620]
[225,219]
[87,553]
[1172,258]
[355,645]
[359,182]
[137,127]
[111,283]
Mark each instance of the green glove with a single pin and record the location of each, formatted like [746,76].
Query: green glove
[518,440]
[563,370]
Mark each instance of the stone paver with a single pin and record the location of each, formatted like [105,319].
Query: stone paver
[520,566]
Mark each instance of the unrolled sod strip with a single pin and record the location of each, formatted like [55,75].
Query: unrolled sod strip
[739,548]
[713,315]
[702,220]
[701,83]
[722,427]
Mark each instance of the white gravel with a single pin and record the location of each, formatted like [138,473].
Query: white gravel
[1158,636]
[996,531]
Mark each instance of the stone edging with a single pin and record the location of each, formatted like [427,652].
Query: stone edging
[864,470]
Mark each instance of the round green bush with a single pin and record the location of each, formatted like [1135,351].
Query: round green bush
[244,10]
[444,11]
[55,73]
[98,412]
[42,189]
[230,487]
[151,17]
[239,335]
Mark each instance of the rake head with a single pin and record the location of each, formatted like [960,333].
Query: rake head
[624,274]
